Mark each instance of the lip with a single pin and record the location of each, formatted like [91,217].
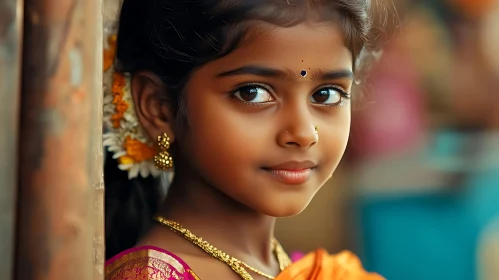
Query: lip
[293,166]
[291,172]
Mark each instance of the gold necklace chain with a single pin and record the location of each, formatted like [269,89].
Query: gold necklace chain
[236,265]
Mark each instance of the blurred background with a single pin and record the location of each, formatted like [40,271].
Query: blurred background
[417,196]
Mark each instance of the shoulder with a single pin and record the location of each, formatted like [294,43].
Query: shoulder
[147,263]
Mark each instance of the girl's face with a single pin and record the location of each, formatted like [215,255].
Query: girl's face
[268,123]
[253,113]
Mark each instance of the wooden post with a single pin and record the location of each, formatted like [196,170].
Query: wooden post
[11,17]
[60,161]
[96,151]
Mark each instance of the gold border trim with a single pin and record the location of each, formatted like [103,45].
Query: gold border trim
[146,253]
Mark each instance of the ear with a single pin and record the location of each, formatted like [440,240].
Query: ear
[152,106]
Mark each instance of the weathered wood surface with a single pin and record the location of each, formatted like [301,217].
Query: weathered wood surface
[60,156]
[11,19]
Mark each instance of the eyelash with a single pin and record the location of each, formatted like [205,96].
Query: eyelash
[345,96]
[241,86]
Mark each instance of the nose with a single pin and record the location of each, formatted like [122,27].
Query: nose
[300,132]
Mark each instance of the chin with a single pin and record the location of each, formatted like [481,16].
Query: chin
[282,204]
[282,208]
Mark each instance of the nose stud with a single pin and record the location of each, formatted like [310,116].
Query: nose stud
[317,129]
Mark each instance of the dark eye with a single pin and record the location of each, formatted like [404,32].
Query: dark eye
[253,94]
[327,96]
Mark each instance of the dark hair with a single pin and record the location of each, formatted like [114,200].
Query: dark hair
[172,39]
[127,202]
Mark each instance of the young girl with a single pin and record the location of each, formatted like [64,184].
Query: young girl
[249,104]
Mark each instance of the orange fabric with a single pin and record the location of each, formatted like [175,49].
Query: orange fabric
[319,265]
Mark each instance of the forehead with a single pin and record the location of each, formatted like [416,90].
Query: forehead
[314,45]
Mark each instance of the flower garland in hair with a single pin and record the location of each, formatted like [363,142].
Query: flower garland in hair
[123,135]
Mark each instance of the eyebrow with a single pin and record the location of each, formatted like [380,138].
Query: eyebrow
[268,72]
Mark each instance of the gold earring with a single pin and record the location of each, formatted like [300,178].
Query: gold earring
[163,160]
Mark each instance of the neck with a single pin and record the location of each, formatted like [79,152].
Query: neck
[218,219]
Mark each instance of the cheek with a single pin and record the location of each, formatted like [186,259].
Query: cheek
[221,137]
[333,138]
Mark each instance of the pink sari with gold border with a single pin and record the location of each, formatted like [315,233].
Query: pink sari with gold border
[152,263]
[148,263]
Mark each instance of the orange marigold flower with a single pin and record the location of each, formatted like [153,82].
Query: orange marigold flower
[136,152]
[125,160]
[110,52]
[120,105]
[118,84]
